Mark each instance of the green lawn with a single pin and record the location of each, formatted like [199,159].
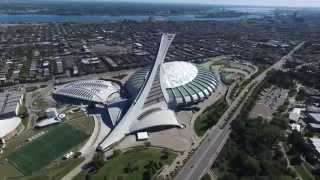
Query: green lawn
[40,103]
[39,153]
[305,174]
[115,168]
[56,170]
[210,117]
[81,121]
[80,176]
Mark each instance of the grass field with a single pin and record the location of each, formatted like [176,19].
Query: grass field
[81,121]
[210,117]
[39,153]
[40,103]
[305,174]
[115,168]
[56,171]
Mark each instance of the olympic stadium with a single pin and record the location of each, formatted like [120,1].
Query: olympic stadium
[185,83]
[153,94]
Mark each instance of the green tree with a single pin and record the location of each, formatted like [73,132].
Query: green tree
[295,139]
[251,166]
[228,176]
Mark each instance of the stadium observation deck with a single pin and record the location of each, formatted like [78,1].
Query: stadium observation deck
[149,109]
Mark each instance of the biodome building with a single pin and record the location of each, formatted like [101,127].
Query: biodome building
[185,83]
[87,92]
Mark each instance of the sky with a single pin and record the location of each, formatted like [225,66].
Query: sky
[291,3]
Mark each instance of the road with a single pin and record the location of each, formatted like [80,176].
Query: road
[200,162]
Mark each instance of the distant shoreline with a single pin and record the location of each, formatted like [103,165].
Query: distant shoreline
[22,19]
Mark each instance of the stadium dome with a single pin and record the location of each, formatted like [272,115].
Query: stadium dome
[94,91]
[185,82]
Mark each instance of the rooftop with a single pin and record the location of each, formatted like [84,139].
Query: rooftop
[9,101]
[315,116]
[316,143]
[295,114]
[91,90]
[8,125]
[178,73]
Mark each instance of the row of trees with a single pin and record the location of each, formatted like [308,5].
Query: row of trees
[253,151]
[210,116]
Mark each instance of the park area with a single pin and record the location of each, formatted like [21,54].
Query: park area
[40,152]
[139,164]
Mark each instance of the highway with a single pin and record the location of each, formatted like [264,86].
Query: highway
[202,159]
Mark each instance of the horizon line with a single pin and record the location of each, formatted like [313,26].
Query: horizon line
[158,2]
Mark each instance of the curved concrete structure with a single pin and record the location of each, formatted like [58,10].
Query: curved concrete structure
[148,106]
[153,118]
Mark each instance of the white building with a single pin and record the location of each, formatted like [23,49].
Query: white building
[94,91]
[295,114]
[52,112]
[9,127]
[296,127]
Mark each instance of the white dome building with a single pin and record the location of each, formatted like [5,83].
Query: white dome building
[185,82]
[88,91]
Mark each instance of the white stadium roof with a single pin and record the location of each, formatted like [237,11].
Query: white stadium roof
[8,125]
[316,143]
[178,73]
[315,116]
[185,83]
[90,90]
